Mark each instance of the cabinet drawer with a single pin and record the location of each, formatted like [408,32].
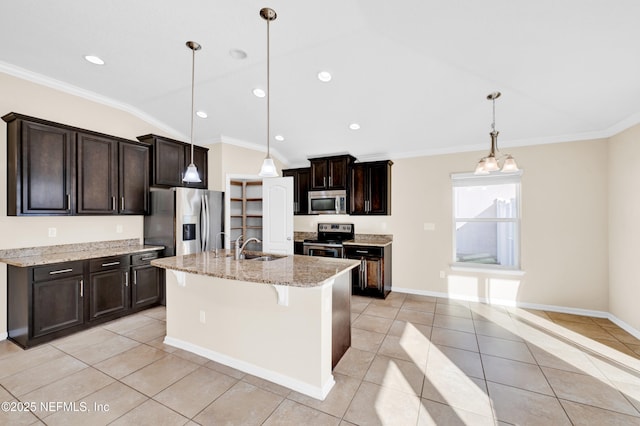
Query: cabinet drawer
[358,251]
[108,263]
[143,258]
[58,270]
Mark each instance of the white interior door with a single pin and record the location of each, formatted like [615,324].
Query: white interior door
[277,215]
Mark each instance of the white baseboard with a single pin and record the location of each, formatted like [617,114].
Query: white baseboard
[4,336]
[272,376]
[552,308]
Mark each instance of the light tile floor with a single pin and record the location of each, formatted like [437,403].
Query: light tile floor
[414,360]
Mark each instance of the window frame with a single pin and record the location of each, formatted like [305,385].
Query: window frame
[459,180]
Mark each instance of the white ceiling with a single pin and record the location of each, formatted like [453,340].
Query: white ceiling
[413,73]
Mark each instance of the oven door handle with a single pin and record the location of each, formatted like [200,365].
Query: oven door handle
[313,251]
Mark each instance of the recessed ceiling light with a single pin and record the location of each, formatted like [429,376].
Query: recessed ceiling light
[94,59]
[324,76]
[237,54]
[279,138]
[259,92]
[354,126]
[201,114]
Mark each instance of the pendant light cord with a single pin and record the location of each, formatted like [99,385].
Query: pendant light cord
[193,75]
[268,92]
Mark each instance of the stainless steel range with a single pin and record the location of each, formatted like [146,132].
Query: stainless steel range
[329,241]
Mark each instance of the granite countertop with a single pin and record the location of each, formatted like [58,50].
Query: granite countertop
[379,240]
[292,270]
[36,256]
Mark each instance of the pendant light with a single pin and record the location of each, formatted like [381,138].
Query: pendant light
[490,163]
[268,169]
[191,175]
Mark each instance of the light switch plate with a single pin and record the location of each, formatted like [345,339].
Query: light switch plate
[429,226]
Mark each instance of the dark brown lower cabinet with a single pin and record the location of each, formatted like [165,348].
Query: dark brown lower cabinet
[373,277]
[108,287]
[146,281]
[51,301]
[45,302]
[57,305]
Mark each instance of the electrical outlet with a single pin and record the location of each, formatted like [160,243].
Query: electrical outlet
[442,274]
[53,232]
[119,229]
[203,318]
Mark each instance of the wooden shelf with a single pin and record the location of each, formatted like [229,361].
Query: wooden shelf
[250,218]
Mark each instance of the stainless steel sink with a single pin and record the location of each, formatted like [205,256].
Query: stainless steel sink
[261,257]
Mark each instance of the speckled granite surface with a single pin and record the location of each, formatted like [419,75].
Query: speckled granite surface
[370,240]
[35,256]
[296,271]
[360,239]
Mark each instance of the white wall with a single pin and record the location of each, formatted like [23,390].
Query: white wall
[564,227]
[624,226]
[227,159]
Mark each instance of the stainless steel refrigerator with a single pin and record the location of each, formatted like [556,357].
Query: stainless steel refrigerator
[185,220]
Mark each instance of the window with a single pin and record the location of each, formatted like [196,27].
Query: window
[486,217]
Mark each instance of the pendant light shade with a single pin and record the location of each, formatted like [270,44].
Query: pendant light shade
[268,169]
[490,163]
[191,174]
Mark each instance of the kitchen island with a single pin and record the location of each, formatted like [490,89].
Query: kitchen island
[286,320]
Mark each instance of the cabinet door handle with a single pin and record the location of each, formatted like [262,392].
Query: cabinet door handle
[147,258]
[324,181]
[122,204]
[126,279]
[362,251]
[110,264]
[113,203]
[68,202]
[60,271]
[135,277]
[81,288]
[330,180]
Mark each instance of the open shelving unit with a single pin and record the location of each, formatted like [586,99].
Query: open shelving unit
[246,211]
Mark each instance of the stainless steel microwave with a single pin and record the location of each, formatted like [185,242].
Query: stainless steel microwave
[328,202]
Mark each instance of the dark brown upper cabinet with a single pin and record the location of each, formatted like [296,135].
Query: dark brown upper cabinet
[170,160]
[133,178]
[300,189]
[370,192]
[330,172]
[40,168]
[113,176]
[53,169]
[97,174]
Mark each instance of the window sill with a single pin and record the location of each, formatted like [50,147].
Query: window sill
[486,270]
